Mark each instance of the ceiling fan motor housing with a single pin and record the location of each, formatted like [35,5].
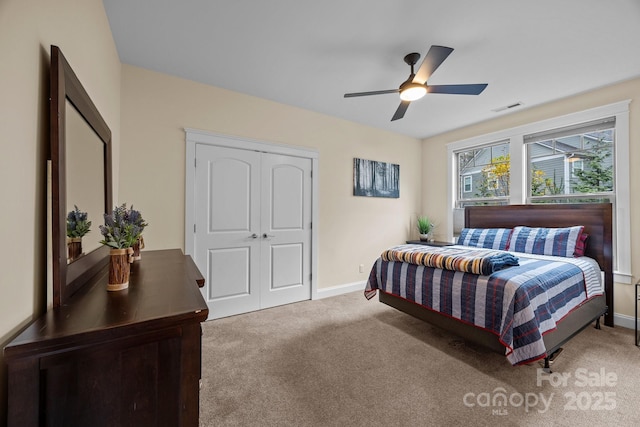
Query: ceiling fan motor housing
[412,59]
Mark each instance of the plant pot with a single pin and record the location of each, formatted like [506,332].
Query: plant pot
[74,247]
[137,247]
[119,268]
[425,237]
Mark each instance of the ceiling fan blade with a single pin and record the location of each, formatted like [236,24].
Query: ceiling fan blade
[472,89]
[433,59]
[377,92]
[401,110]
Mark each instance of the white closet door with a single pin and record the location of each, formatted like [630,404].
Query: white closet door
[228,228]
[253,228]
[286,230]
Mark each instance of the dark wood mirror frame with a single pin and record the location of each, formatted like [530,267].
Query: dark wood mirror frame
[68,278]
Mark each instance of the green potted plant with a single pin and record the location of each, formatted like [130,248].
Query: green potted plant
[77,226]
[425,228]
[121,230]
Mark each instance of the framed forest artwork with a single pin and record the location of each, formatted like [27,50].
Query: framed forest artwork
[376,179]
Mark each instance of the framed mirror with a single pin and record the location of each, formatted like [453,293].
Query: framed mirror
[80,179]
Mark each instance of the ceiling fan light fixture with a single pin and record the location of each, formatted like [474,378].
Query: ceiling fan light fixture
[412,92]
[415,87]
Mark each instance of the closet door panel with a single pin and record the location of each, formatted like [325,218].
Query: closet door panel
[228,227]
[286,225]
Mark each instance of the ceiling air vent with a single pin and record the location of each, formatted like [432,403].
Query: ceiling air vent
[507,107]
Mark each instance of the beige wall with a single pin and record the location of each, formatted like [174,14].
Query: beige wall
[434,151]
[352,230]
[27,29]
[156,108]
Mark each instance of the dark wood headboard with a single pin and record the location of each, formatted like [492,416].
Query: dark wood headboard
[595,217]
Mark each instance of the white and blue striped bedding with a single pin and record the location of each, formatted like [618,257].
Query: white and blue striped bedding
[519,304]
[545,241]
[490,238]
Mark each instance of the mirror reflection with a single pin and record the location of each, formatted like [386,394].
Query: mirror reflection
[85,185]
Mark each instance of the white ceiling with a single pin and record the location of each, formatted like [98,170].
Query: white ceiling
[310,53]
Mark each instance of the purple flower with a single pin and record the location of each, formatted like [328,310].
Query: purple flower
[77,224]
[122,228]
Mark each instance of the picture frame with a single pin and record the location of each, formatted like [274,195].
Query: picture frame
[372,178]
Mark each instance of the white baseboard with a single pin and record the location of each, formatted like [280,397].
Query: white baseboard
[624,321]
[339,290]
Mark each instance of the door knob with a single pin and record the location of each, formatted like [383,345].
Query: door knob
[254,236]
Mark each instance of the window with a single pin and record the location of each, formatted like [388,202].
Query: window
[578,158]
[573,164]
[483,175]
[468,183]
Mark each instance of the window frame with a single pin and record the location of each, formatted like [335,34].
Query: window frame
[491,181]
[569,167]
[520,182]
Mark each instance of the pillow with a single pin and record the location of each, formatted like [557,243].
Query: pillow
[581,245]
[489,238]
[546,241]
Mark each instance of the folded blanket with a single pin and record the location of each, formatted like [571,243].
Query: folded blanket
[468,260]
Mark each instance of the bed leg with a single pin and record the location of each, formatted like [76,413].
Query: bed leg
[597,323]
[549,359]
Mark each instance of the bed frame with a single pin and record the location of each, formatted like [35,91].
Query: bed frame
[596,219]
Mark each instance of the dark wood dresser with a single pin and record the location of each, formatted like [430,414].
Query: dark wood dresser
[126,358]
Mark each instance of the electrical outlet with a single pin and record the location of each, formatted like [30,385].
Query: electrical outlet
[361,268]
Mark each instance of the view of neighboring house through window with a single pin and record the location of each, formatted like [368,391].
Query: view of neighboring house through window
[484,175]
[573,164]
[582,157]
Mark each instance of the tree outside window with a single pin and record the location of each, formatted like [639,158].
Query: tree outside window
[542,185]
[496,177]
[596,174]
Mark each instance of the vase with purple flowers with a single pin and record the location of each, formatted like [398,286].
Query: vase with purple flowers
[122,229]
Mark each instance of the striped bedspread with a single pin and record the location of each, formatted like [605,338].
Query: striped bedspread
[457,258]
[518,304]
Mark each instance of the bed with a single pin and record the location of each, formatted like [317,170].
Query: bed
[597,222]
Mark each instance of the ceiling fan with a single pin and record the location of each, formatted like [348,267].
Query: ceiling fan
[415,87]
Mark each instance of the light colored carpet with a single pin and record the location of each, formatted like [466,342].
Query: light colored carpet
[346,361]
